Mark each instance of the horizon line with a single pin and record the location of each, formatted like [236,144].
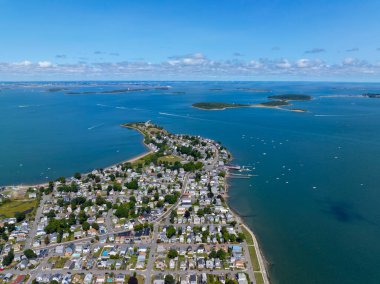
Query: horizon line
[140,80]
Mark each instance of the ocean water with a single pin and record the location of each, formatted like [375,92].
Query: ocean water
[314,204]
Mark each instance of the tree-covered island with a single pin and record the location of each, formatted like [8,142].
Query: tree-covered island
[218,105]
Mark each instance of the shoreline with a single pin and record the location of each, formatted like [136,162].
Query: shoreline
[263,263]
[254,106]
[261,259]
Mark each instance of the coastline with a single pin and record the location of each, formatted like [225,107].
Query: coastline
[261,259]
[263,263]
[253,106]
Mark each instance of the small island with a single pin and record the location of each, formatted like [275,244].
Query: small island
[278,101]
[218,105]
[372,95]
[290,97]
[274,104]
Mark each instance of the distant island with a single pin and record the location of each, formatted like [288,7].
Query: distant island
[218,105]
[278,101]
[254,90]
[372,96]
[274,104]
[290,97]
[118,91]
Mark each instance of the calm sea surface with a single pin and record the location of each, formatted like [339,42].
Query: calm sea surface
[314,203]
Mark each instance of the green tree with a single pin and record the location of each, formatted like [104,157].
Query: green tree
[7,260]
[169,279]
[170,198]
[86,226]
[172,253]
[133,280]
[187,214]
[232,238]
[212,254]
[170,231]
[241,237]
[30,254]
[95,226]
[221,254]
[20,216]
[173,215]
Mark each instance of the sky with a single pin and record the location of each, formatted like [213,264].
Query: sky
[251,40]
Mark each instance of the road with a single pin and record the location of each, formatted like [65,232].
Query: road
[37,219]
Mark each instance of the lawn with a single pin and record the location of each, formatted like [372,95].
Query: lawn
[248,236]
[259,277]
[252,251]
[58,262]
[155,130]
[10,208]
[143,159]
[255,262]
[169,159]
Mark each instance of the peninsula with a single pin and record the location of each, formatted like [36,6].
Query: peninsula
[158,218]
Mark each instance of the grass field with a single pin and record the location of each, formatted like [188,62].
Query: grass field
[155,130]
[10,208]
[143,159]
[252,251]
[169,159]
[259,277]
[248,236]
[59,262]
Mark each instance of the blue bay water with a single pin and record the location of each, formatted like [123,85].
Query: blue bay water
[314,201]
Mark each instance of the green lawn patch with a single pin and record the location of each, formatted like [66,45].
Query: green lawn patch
[247,235]
[10,208]
[254,260]
[251,249]
[58,262]
[169,159]
[259,277]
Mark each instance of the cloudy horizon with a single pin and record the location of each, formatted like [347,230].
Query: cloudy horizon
[243,40]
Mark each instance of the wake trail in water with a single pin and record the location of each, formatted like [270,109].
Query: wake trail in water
[119,107]
[95,126]
[102,105]
[342,115]
[27,106]
[185,116]
[331,115]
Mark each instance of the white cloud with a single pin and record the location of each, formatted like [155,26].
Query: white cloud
[303,63]
[45,64]
[284,63]
[23,63]
[349,61]
[194,65]
[189,59]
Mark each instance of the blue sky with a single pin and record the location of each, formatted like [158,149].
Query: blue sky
[190,40]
